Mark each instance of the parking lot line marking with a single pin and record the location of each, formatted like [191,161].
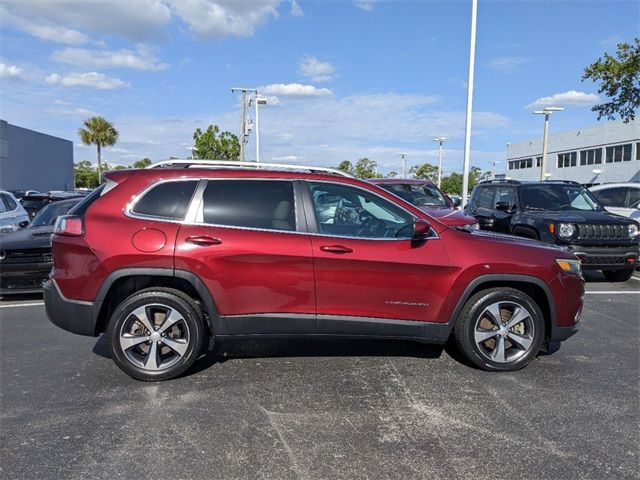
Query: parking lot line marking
[605,292]
[14,305]
[635,278]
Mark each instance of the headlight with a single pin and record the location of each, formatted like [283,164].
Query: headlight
[569,266]
[566,230]
[633,230]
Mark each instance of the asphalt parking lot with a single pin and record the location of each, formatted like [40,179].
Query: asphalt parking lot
[324,409]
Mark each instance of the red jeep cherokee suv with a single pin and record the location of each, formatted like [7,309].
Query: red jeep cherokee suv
[167,259]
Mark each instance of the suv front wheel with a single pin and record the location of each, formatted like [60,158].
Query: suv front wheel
[500,329]
[156,334]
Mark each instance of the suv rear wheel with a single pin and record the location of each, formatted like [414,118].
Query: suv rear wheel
[618,275]
[500,329]
[156,334]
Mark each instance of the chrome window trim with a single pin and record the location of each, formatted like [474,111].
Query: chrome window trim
[128,209]
[196,206]
[318,234]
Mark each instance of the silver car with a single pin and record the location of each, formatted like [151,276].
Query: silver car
[619,198]
[12,216]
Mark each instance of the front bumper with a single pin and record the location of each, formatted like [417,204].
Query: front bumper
[71,315]
[23,277]
[606,258]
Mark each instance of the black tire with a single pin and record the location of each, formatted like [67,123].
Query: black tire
[188,334]
[473,321]
[618,275]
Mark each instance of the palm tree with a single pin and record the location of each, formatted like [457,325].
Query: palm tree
[99,132]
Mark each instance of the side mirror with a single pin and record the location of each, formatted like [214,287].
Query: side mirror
[23,224]
[421,229]
[504,206]
[456,202]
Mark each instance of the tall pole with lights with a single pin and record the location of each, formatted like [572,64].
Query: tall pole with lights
[440,141]
[546,112]
[243,117]
[258,101]
[467,129]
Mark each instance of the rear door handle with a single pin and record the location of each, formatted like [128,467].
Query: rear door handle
[335,249]
[203,240]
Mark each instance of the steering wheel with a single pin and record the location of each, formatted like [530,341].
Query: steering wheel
[373,227]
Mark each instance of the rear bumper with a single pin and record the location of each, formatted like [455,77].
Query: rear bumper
[606,258]
[71,315]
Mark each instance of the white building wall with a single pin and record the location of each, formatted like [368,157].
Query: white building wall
[598,137]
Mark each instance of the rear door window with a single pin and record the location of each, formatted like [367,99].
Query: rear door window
[612,197]
[166,200]
[9,203]
[257,204]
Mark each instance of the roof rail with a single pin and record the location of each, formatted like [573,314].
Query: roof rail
[248,165]
[500,180]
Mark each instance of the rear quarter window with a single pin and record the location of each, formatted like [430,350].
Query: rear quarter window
[166,200]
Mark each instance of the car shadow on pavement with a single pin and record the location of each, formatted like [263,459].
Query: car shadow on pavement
[236,349]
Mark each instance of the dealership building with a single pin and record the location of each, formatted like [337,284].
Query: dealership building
[609,152]
[32,160]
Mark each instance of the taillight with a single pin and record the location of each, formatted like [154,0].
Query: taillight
[69,225]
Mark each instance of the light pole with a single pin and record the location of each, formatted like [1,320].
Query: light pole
[546,112]
[467,128]
[403,166]
[258,101]
[440,141]
[243,117]
[495,162]
[191,149]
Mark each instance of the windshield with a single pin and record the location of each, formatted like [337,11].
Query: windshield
[421,195]
[48,215]
[557,196]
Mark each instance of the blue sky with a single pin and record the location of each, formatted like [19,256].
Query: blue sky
[343,79]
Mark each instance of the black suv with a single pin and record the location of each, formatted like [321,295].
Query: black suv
[562,213]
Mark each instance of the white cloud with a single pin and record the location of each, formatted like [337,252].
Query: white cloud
[10,71]
[44,30]
[507,64]
[366,5]
[296,11]
[142,59]
[571,98]
[294,90]
[90,79]
[316,70]
[211,19]
[136,20]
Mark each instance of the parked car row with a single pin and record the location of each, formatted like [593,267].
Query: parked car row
[561,213]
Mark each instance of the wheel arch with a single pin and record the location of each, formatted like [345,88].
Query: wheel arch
[124,282]
[534,287]
[526,231]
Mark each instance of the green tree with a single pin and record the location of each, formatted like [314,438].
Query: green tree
[392,174]
[453,183]
[346,166]
[121,167]
[214,145]
[144,163]
[618,79]
[366,168]
[85,175]
[99,132]
[426,171]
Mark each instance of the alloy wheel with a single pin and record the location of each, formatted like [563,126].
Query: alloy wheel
[504,332]
[154,337]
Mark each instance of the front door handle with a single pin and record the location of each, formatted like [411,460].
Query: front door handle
[336,249]
[203,240]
